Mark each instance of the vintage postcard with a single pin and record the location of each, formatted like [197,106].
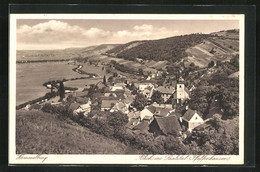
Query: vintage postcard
[126,89]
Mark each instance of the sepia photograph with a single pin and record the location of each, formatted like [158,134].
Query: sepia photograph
[126,89]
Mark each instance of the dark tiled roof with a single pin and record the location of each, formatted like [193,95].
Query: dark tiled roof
[177,114]
[161,111]
[100,85]
[189,114]
[166,90]
[143,126]
[74,106]
[151,109]
[168,124]
[81,94]
[108,103]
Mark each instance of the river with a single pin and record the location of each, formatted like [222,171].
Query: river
[31,76]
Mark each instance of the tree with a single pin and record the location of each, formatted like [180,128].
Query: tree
[140,102]
[202,97]
[117,119]
[104,80]
[52,87]
[61,91]
[160,82]
[211,64]
[156,97]
[218,63]
[115,74]
[140,71]
[192,65]
[110,79]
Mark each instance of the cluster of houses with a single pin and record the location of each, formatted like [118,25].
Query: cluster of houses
[163,119]
[156,118]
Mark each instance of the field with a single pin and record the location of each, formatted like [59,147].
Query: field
[81,83]
[222,50]
[132,64]
[43,133]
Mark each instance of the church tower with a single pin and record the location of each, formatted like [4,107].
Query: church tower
[180,91]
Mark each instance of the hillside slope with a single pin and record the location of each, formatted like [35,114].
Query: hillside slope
[43,133]
[197,48]
[123,47]
[170,49]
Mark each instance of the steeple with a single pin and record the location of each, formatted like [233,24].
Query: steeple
[180,80]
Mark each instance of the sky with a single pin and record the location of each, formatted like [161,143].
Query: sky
[40,34]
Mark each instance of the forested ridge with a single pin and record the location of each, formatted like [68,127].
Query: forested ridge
[170,49]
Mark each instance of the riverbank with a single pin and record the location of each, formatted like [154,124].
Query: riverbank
[30,88]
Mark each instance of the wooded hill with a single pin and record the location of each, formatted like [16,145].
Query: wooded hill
[193,47]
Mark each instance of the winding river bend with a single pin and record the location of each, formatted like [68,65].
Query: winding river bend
[31,76]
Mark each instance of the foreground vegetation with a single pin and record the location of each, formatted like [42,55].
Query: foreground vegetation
[38,132]
[217,139]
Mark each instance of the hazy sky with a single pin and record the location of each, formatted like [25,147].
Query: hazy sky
[59,34]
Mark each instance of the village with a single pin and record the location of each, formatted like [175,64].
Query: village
[157,111]
[174,95]
[150,108]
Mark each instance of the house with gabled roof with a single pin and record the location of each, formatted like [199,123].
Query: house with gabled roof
[77,108]
[166,92]
[191,119]
[165,125]
[147,112]
[116,88]
[133,115]
[107,104]
[145,88]
[100,85]
[120,106]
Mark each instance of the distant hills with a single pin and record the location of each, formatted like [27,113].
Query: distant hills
[199,49]
[68,53]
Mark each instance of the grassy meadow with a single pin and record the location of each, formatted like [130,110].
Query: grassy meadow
[43,133]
